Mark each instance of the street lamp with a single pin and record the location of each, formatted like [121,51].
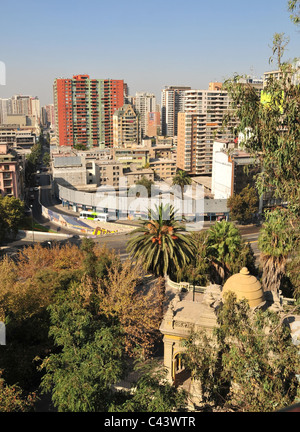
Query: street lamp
[31,207]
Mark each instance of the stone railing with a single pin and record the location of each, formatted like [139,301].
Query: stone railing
[186,286]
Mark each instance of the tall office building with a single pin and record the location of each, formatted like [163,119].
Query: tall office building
[144,103]
[84,110]
[199,125]
[172,102]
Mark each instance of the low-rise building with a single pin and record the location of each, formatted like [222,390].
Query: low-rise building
[17,138]
[162,167]
[136,155]
[134,176]
[12,171]
[229,176]
[109,173]
[69,171]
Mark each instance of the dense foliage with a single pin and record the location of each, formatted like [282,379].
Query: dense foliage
[249,364]
[11,213]
[271,129]
[218,253]
[244,205]
[74,318]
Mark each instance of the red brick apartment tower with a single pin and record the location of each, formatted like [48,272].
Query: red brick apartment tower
[113,99]
[84,110]
[63,111]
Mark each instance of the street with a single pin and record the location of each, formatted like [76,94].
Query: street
[116,242]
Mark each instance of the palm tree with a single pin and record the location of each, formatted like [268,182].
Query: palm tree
[182,179]
[276,242]
[160,243]
[224,244]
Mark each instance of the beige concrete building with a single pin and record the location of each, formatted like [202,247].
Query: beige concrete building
[134,176]
[22,138]
[109,173]
[125,127]
[172,102]
[162,167]
[198,126]
[137,155]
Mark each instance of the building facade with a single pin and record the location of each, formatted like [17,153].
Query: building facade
[84,110]
[144,103]
[153,124]
[172,102]
[12,170]
[125,127]
[199,125]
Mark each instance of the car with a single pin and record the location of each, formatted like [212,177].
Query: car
[30,189]
[31,196]
[38,172]
[36,188]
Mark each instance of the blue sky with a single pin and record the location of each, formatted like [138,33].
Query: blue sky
[149,44]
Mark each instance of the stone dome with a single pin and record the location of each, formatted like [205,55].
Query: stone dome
[244,285]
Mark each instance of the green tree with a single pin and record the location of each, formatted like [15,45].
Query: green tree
[151,392]
[11,214]
[198,270]
[223,249]
[250,364]
[280,41]
[271,128]
[90,360]
[160,243]
[12,398]
[46,159]
[181,179]
[294,7]
[276,241]
[146,183]
[243,205]
[212,261]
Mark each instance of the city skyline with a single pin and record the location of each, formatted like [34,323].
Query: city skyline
[149,46]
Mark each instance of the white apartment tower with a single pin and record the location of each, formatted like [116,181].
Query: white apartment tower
[172,102]
[144,103]
[199,125]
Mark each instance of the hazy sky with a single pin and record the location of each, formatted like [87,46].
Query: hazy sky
[149,44]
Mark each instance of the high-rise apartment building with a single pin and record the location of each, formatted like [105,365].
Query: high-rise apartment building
[48,116]
[3,110]
[20,105]
[84,110]
[125,127]
[144,103]
[153,124]
[198,125]
[172,102]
